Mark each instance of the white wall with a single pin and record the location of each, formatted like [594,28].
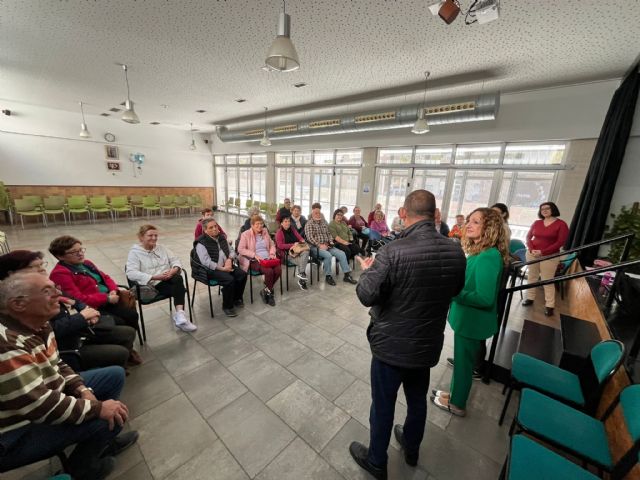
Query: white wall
[40,146]
[559,113]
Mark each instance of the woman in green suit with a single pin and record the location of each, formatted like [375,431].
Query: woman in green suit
[473,313]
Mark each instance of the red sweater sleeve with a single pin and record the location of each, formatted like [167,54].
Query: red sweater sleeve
[64,278]
[198,231]
[530,235]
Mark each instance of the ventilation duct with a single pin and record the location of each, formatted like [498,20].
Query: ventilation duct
[483,107]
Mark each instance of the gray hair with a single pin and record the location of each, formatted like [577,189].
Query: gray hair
[207,221]
[16,285]
[253,211]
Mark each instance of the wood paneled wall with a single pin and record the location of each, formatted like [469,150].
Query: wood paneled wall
[17,191]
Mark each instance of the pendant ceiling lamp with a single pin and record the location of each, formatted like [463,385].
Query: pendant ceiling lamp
[129,114]
[282,55]
[84,131]
[421,125]
[193,141]
[264,141]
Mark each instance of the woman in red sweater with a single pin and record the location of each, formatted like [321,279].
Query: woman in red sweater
[546,236]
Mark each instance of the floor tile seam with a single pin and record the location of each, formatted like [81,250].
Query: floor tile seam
[123,475]
[458,440]
[157,405]
[275,360]
[254,393]
[355,378]
[310,447]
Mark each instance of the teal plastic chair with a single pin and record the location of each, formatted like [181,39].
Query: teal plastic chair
[582,392]
[528,460]
[578,434]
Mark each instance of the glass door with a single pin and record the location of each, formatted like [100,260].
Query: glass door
[434,181]
[302,189]
[322,183]
[391,189]
[346,188]
[471,190]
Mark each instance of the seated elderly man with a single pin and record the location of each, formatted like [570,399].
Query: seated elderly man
[45,405]
[321,242]
[212,259]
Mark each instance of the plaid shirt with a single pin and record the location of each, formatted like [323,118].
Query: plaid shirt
[317,232]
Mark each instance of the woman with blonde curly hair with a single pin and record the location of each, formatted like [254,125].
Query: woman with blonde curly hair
[473,311]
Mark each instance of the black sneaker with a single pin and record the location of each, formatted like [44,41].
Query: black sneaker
[120,443]
[359,453]
[477,375]
[349,279]
[302,284]
[527,302]
[271,299]
[331,281]
[229,312]
[411,459]
[301,275]
[264,295]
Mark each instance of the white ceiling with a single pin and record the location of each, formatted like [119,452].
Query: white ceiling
[203,54]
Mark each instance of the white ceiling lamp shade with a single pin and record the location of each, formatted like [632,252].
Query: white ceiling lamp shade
[421,126]
[264,141]
[282,55]
[84,131]
[129,114]
[193,141]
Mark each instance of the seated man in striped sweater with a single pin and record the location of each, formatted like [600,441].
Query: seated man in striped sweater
[45,405]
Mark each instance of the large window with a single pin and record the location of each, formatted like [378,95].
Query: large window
[471,190]
[242,177]
[391,185]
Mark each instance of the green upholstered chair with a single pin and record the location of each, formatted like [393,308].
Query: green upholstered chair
[582,392]
[182,204]
[150,204]
[528,460]
[77,204]
[26,208]
[98,204]
[167,204]
[579,434]
[36,199]
[119,205]
[55,205]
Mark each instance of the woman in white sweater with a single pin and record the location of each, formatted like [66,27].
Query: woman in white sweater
[151,264]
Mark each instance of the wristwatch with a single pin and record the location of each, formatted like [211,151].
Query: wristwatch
[84,389]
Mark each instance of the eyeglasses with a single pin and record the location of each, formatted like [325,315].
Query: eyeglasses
[545,208]
[80,251]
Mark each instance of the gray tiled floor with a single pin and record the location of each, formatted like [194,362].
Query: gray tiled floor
[275,393]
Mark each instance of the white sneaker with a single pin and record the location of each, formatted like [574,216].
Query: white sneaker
[181,321]
[187,327]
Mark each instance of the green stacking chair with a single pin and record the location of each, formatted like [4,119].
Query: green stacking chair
[150,204]
[528,460]
[229,205]
[253,273]
[582,392]
[578,434]
[264,207]
[54,205]
[167,203]
[248,204]
[236,204]
[98,204]
[136,203]
[120,205]
[182,204]
[35,199]
[195,202]
[78,204]
[26,208]
[272,210]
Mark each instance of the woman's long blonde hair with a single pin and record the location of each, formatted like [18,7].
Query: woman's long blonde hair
[493,235]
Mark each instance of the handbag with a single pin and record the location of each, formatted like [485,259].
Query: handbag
[298,248]
[147,293]
[270,263]
[126,299]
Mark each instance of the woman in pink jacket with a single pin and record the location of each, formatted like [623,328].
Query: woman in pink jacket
[258,252]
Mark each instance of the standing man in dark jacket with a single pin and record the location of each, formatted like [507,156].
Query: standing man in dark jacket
[409,287]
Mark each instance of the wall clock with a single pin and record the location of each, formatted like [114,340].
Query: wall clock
[109,137]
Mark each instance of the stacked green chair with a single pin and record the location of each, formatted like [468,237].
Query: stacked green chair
[272,210]
[77,204]
[99,204]
[167,203]
[195,202]
[582,392]
[182,204]
[136,203]
[264,206]
[5,202]
[55,205]
[229,205]
[150,204]
[236,204]
[36,199]
[528,460]
[120,205]
[26,208]
[579,434]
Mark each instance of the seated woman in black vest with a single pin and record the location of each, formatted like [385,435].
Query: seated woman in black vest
[211,259]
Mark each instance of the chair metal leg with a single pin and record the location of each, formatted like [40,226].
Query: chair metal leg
[506,405]
[287,267]
[503,471]
[210,300]
[144,331]
[193,297]
[281,282]
[250,285]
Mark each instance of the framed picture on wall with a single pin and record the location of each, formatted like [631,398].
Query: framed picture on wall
[111,152]
[113,166]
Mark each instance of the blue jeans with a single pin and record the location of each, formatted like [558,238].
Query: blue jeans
[325,256]
[385,382]
[35,442]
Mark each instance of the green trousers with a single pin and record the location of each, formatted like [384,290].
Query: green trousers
[465,353]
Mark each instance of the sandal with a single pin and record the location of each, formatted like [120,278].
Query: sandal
[440,393]
[448,407]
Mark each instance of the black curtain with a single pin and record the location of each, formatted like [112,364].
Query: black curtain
[592,210]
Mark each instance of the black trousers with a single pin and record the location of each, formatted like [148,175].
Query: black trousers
[109,346]
[174,287]
[385,382]
[359,236]
[122,315]
[351,250]
[232,283]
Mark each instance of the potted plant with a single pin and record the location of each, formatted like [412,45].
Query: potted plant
[625,221]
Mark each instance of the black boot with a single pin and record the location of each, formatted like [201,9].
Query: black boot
[349,279]
[410,458]
[359,453]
